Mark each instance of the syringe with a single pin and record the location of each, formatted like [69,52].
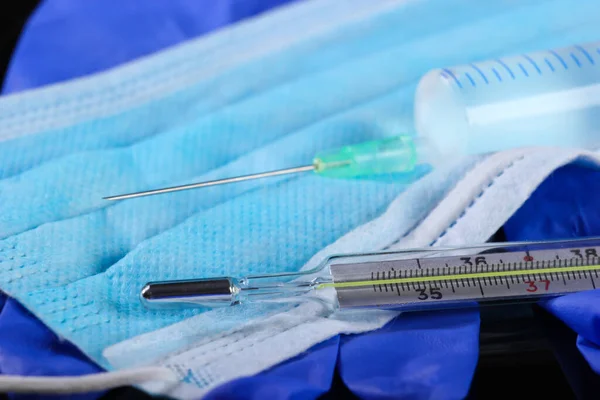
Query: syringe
[547,98]
[411,280]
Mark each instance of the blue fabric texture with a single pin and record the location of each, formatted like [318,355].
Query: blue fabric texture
[424,348]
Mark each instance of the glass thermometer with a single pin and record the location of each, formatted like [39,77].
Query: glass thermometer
[410,280]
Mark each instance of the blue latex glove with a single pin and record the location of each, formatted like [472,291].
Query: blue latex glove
[415,356]
[96,35]
[566,206]
[27,348]
[304,377]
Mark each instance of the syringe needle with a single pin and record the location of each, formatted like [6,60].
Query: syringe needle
[385,156]
[268,174]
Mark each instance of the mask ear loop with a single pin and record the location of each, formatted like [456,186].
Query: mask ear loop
[86,383]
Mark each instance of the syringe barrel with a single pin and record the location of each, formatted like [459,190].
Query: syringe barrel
[546,98]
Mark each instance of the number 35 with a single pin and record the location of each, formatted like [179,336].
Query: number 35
[434,293]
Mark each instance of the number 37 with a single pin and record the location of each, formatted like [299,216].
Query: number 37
[533,287]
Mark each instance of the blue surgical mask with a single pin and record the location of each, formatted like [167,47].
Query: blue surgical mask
[262,95]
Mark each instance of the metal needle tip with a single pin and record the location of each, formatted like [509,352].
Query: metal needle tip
[294,170]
